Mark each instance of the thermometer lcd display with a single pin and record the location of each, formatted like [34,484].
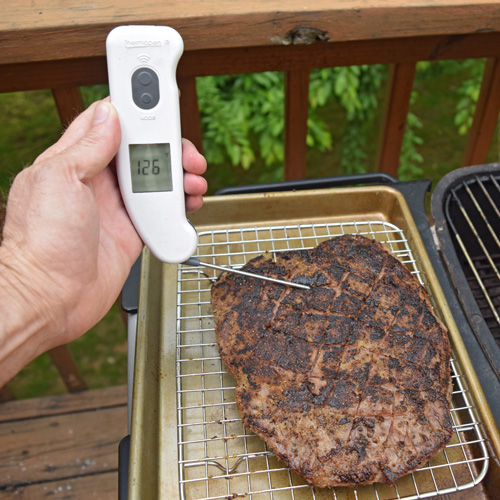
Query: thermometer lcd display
[150,167]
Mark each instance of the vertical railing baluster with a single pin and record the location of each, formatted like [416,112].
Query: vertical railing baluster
[69,103]
[296,111]
[400,85]
[190,113]
[485,116]
[6,394]
[63,361]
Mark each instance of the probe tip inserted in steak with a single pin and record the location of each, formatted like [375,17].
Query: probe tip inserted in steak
[349,382]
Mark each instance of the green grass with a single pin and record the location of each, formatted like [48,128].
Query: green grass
[30,124]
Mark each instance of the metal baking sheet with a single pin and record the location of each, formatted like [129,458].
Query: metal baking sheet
[186,427]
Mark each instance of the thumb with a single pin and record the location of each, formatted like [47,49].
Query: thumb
[95,150]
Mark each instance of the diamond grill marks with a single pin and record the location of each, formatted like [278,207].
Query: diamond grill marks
[348,382]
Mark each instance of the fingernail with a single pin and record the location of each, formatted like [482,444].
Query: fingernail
[101,113]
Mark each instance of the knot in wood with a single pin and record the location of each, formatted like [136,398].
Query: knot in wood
[302,35]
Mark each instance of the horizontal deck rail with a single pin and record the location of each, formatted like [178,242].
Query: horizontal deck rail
[61,46]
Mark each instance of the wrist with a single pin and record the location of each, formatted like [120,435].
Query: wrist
[26,326]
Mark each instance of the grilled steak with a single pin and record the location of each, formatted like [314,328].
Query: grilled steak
[348,382]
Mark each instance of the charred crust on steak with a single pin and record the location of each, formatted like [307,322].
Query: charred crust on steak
[348,382]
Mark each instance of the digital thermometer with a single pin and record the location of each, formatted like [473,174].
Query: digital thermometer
[142,62]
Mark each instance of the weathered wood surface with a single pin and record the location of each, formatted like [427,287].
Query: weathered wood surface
[53,73]
[77,28]
[103,486]
[108,397]
[62,446]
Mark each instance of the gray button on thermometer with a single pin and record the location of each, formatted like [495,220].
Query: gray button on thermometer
[145,88]
[142,62]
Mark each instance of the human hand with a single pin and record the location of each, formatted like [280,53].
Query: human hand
[68,242]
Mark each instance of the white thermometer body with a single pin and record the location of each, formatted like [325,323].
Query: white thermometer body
[142,63]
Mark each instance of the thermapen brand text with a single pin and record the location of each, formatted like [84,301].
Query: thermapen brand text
[130,44]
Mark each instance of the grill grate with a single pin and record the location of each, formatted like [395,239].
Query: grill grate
[474,220]
[218,458]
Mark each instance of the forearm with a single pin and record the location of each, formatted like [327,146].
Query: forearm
[2,219]
[25,327]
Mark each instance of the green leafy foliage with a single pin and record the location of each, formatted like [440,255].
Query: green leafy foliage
[467,74]
[468,93]
[242,115]
[410,159]
[360,105]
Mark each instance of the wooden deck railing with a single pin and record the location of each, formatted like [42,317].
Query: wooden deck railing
[61,46]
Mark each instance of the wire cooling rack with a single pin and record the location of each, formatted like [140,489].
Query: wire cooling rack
[218,457]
